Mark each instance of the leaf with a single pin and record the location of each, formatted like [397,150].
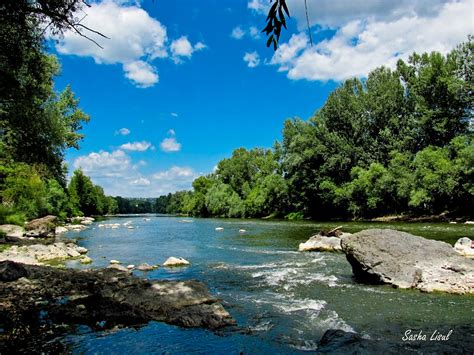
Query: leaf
[282,17]
[269,41]
[283,4]
[272,10]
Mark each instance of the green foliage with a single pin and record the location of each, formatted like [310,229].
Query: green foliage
[396,142]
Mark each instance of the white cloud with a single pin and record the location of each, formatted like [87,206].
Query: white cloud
[360,46]
[172,132]
[104,164]
[135,40]
[254,32]
[175,172]
[123,131]
[181,47]
[237,33]
[141,73]
[174,114]
[136,146]
[252,59]
[140,182]
[170,145]
[260,6]
[334,14]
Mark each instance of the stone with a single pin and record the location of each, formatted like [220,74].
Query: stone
[60,230]
[465,247]
[385,256]
[176,261]
[130,267]
[76,227]
[11,271]
[321,243]
[242,231]
[81,250]
[12,231]
[219,229]
[145,267]
[85,259]
[113,261]
[41,227]
[118,267]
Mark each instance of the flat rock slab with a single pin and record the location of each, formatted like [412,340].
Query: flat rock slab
[407,261]
[32,296]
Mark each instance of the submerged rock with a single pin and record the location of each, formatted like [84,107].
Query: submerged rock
[41,301]
[384,256]
[174,261]
[145,267]
[465,247]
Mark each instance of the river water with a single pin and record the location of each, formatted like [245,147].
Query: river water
[283,300]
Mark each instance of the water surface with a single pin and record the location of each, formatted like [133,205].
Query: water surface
[283,300]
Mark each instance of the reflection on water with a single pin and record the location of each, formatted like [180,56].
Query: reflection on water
[283,300]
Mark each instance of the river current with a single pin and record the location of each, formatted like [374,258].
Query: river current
[283,300]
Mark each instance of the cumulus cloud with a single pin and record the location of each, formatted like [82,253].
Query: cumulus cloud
[170,145]
[252,59]
[182,48]
[260,6]
[104,164]
[142,74]
[135,40]
[136,146]
[174,114]
[123,131]
[360,46]
[237,33]
[140,182]
[175,172]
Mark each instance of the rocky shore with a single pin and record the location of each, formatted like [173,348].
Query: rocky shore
[39,303]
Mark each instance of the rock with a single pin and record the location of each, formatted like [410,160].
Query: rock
[85,259]
[41,227]
[60,230]
[11,271]
[113,261]
[145,267]
[81,250]
[118,267]
[130,267]
[37,254]
[465,247]
[321,243]
[219,229]
[76,227]
[12,232]
[73,253]
[469,222]
[101,299]
[407,261]
[242,231]
[174,261]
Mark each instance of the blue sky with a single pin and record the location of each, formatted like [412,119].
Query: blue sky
[180,84]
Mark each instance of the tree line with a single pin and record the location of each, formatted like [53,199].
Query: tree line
[398,142]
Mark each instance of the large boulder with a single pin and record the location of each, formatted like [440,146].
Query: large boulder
[465,247]
[403,260]
[11,271]
[42,227]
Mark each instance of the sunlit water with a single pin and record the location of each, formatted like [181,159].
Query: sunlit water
[283,300]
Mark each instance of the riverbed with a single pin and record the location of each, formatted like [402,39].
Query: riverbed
[283,300]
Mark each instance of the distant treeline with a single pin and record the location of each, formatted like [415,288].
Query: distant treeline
[398,142]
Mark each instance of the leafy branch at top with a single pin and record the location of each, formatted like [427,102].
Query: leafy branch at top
[275,20]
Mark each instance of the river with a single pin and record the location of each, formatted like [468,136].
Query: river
[283,300]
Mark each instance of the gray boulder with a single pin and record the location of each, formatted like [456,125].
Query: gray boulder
[42,227]
[384,256]
[321,243]
[145,267]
